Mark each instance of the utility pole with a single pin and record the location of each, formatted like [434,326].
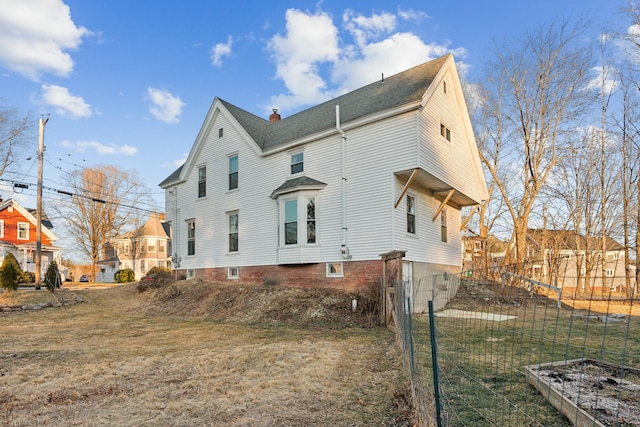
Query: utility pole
[42,123]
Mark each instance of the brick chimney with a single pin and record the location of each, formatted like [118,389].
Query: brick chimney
[275,116]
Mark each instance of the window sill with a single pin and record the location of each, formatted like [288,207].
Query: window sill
[235,190]
[233,253]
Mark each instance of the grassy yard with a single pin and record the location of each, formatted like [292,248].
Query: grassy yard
[482,362]
[126,358]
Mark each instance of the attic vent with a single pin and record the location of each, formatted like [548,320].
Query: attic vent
[275,116]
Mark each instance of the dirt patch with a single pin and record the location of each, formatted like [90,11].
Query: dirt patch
[259,304]
[608,393]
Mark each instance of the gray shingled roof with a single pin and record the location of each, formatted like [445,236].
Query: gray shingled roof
[394,91]
[296,184]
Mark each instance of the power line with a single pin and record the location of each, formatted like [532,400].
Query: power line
[25,185]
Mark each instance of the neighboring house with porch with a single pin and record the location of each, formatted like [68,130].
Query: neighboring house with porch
[140,249]
[574,262]
[316,198]
[18,236]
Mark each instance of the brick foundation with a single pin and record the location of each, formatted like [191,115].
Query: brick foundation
[357,275]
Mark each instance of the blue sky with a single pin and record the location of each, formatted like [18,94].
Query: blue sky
[130,82]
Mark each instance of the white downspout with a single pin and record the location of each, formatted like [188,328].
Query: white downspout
[343,248]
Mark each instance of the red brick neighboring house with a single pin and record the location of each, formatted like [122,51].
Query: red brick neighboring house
[18,236]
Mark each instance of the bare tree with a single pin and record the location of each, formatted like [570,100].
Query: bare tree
[488,129]
[538,91]
[103,203]
[15,131]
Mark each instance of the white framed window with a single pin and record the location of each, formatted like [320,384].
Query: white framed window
[445,132]
[126,248]
[311,220]
[298,220]
[609,272]
[411,214]
[297,162]
[291,222]
[23,231]
[444,233]
[191,237]
[232,272]
[233,172]
[161,246]
[335,269]
[151,247]
[202,182]
[233,231]
[191,274]
[1,228]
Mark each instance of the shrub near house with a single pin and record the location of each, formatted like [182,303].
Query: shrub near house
[10,272]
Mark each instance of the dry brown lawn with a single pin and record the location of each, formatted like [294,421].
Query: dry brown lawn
[128,359]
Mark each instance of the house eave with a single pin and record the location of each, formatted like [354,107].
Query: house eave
[371,118]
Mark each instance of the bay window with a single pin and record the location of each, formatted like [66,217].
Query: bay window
[298,220]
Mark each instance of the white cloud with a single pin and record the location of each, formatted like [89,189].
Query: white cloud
[603,80]
[164,106]
[64,102]
[390,56]
[310,40]
[100,148]
[176,163]
[316,62]
[412,15]
[36,35]
[220,50]
[363,28]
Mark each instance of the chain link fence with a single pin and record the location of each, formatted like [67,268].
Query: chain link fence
[514,352]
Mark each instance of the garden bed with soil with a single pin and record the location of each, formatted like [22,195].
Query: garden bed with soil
[589,392]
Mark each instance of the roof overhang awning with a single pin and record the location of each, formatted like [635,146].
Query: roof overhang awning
[439,189]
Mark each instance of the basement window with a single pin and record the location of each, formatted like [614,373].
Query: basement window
[335,269]
[232,273]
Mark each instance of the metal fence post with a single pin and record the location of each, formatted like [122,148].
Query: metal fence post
[434,362]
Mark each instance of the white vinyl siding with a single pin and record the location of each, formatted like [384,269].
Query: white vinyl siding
[375,153]
[455,162]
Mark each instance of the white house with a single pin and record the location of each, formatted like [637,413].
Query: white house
[314,199]
[140,250]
